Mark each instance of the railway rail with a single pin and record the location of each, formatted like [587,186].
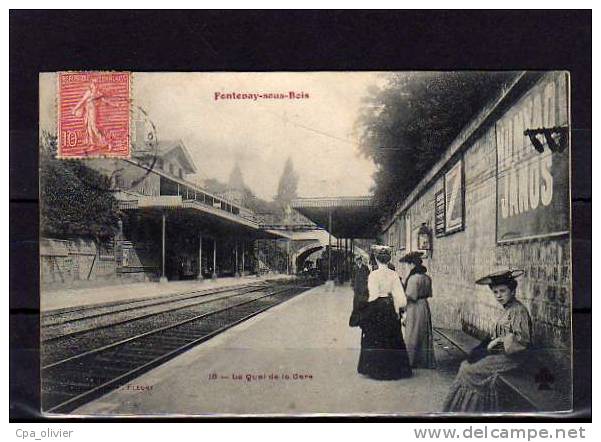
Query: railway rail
[87,363]
[73,314]
[61,326]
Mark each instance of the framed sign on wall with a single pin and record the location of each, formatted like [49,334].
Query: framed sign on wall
[533,181]
[454,198]
[439,213]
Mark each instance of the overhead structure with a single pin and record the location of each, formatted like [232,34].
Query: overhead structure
[345,218]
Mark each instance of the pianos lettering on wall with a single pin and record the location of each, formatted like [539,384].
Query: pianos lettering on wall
[533,186]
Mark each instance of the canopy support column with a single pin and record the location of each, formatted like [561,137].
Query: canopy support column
[345,260]
[237,272]
[243,252]
[200,277]
[163,228]
[288,256]
[214,275]
[330,245]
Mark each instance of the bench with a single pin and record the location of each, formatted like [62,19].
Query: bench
[542,384]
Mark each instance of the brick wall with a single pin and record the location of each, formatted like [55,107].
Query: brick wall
[459,258]
[76,263]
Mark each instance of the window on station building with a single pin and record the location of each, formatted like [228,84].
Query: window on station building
[168,187]
[171,169]
[181,172]
[119,181]
[160,164]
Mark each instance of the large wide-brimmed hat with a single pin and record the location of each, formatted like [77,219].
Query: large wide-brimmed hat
[412,258]
[378,247]
[500,277]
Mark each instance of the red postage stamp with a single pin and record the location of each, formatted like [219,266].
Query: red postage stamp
[94,114]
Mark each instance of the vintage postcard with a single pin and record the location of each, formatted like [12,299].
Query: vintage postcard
[294,244]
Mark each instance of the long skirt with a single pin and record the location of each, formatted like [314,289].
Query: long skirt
[475,388]
[418,334]
[383,353]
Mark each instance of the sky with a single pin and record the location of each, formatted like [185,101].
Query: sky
[317,132]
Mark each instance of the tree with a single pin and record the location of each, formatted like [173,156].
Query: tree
[408,124]
[236,181]
[249,199]
[287,186]
[215,186]
[75,200]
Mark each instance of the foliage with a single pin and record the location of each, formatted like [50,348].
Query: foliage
[249,199]
[236,181]
[409,123]
[74,199]
[288,184]
[215,186]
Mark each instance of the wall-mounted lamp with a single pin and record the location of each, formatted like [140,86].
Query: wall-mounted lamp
[555,137]
[424,238]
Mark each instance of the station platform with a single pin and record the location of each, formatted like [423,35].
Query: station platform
[57,299]
[306,342]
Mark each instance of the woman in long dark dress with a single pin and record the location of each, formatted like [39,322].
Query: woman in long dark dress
[383,353]
[475,388]
[418,322]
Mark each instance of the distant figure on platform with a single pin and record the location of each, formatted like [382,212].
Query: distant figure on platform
[361,294]
[418,323]
[475,387]
[372,261]
[383,353]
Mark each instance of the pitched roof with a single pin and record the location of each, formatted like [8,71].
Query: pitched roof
[169,148]
[177,148]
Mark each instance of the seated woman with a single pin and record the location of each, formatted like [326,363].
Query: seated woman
[383,352]
[475,387]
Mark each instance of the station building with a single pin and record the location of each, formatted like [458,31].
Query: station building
[171,228]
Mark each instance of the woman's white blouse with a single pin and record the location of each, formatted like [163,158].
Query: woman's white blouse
[383,281]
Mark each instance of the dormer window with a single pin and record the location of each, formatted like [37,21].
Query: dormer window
[181,173]
[171,169]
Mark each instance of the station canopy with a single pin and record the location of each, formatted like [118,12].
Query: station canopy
[193,216]
[343,217]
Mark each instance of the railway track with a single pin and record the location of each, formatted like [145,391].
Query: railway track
[60,326]
[73,314]
[84,365]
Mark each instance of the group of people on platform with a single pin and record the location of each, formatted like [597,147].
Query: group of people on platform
[384,304]
[380,299]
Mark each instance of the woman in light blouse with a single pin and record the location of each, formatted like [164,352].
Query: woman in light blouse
[383,353]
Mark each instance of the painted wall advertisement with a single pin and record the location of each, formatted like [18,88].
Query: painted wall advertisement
[454,193]
[533,176]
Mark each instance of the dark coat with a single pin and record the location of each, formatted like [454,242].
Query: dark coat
[360,286]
